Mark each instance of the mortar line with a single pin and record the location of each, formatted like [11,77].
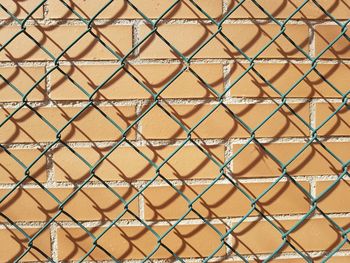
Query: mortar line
[176,182]
[184,21]
[155,143]
[173,61]
[229,101]
[138,184]
[184,222]
[54,241]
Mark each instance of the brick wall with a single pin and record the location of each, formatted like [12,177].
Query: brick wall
[58,84]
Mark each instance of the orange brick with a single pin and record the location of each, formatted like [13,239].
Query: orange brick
[254,161]
[335,201]
[224,200]
[319,234]
[21,9]
[122,86]
[252,38]
[11,171]
[121,9]
[333,259]
[135,242]
[23,79]
[283,9]
[313,235]
[14,243]
[187,163]
[221,123]
[284,76]
[338,125]
[325,35]
[91,125]
[55,39]
[89,204]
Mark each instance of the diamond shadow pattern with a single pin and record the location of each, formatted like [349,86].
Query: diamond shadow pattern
[92,202]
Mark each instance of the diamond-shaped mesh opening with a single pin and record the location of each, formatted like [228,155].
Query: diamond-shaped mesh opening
[122,140]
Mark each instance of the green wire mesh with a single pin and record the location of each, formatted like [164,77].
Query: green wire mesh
[223,169]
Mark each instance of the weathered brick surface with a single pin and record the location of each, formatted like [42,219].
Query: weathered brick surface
[26,126]
[21,9]
[221,200]
[104,205]
[338,124]
[222,124]
[185,38]
[262,237]
[333,201]
[334,259]
[55,39]
[253,161]
[134,242]
[282,10]
[188,163]
[325,35]
[12,172]
[285,76]
[14,243]
[123,86]
[23,79]
[121,9]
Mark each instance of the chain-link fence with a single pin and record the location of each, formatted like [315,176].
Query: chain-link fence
[124,126]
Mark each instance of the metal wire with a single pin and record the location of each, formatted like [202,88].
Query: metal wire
[156,102]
